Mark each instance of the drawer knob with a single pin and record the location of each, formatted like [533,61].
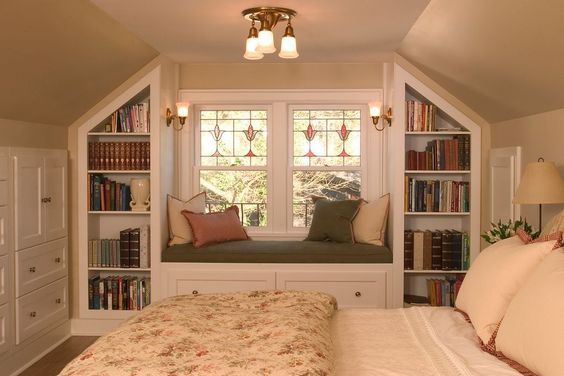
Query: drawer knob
[357,294]
[195,292]
[46,200]
[33,314]
[32,269]
[58,300]
[58,260]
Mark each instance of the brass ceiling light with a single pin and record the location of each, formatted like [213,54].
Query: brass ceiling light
[262,42]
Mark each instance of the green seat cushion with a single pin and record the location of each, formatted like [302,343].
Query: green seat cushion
[251,251]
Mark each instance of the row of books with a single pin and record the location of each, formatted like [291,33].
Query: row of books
[443,196]
[134,118]
[118,293]
[436,250]
[420,117]
[443,292]
[131,250]
[132,155]
[107,195]
[441,155]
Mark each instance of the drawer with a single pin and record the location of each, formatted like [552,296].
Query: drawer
[4,279]
[4,230]
[351,289]
[5,328]
[3,192]
[4,163]
[184,282]
[41,309]
[40,265]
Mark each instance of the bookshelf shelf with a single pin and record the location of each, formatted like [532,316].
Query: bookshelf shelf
[132,270]
[113,314]
[435,271]
[435,133]
[119,172]
[438,172]
[437,213]
[119,134]
[109,212]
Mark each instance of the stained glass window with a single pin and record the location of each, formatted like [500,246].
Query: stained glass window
[233,137]
[326,137]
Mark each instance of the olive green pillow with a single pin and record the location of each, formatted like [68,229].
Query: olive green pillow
[332,220]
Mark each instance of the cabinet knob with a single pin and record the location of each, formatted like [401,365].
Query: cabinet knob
[57,260]
[58,300]
[33,314]
[195,292]
[357,294]
[32,269]
[46,200]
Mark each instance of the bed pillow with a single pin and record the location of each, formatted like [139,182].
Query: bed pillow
[178,228]
[369,225]
[532,330]
[494,278]
[332,220]
[215,228]
[556,224]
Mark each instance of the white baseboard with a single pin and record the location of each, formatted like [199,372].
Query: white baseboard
[93,327]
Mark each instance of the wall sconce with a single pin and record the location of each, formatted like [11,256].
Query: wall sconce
[376,115]
[182,114]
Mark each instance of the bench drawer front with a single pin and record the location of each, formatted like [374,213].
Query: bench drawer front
[40,309]
[182,282]
[351,289]
[39,265]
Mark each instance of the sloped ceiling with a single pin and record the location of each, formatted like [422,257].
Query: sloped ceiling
[60,57]
[503,58]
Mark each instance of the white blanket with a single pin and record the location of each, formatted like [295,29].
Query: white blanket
[421,341]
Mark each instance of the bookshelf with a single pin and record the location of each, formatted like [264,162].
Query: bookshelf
[141,148]
[449,142]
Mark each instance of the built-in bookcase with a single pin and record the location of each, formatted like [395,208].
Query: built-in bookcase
[437,185]
[110,155]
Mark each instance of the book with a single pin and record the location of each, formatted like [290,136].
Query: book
[124,248]
[408,249]
[417,250]
[436,251]
[145,247]
[134,251]
[427,250]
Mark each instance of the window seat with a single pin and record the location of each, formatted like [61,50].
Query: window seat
[302,252]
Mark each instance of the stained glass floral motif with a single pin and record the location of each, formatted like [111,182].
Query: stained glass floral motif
[233,138]
[326,137]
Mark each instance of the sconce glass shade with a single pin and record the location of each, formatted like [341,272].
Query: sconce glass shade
[266,42]
[288,48]
[251,50]
[374,109]
[182,109]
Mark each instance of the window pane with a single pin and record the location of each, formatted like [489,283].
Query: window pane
[334,185]
[246,189]
[326,137]
[233,138]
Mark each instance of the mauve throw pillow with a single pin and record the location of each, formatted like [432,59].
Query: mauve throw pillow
[215,228]
[332,220]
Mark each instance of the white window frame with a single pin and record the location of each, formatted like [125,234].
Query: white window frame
[279,201]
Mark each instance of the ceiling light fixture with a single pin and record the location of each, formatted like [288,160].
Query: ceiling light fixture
[262,42]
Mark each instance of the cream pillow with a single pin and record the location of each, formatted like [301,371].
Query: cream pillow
[532,331]
[178,227]
[554,225]
[369,225]
[494,278]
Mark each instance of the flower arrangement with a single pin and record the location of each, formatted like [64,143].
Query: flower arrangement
[501,231]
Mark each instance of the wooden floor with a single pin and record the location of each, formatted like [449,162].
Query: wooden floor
[53,363]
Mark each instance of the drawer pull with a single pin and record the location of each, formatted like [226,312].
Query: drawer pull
[195,292]
[33,314]
[357,294]
[46,200]
[58,260]
[32,269]
[58,300]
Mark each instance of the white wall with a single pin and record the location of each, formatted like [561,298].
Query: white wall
[32,135]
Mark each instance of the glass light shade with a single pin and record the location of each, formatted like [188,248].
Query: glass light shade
[266,42]
[182,109]
[374,108]
[251,50]
[288,48]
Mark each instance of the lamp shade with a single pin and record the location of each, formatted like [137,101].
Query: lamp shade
[541,184]
[266,42]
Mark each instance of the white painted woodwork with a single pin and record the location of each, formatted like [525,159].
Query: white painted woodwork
[210,281]
[505,174]
[55,189]
[5,279]
[40,265]
[5,246]
[28,192]
[5,328]
[40,309]
[351,289]
[406,86]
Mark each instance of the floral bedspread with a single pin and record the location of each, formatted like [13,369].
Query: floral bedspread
[253,333]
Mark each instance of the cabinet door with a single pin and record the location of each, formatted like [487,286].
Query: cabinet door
[56,195]
[28,192]
[5,279]
[4,230]
[5,328]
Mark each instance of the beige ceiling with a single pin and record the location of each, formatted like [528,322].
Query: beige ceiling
[60,57]
[503,58]
[214,31]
